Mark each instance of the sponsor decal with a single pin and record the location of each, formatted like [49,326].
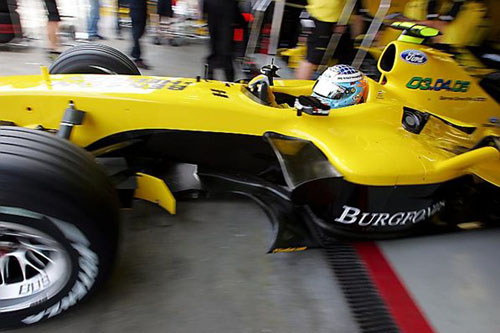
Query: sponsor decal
[115,82]
[290,249]
[353,215]
[492,122]
[414,57]
[350,77]
[380,94]
[428,83]
[462,99]
[219,93]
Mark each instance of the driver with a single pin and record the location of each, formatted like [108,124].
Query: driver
[340,86]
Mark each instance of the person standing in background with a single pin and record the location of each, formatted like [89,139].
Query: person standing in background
[120,4]
[325,14]
[52,26]
[222,17]
[93,22]
[138,14]
[439,21]
[163,10]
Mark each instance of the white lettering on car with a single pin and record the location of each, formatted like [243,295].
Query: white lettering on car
[353,215]
[349,212]
[396,218]
[361,223]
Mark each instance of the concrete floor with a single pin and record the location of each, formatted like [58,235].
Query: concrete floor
[206,270]
[453,277]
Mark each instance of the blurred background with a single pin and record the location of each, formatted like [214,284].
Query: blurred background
[177,37]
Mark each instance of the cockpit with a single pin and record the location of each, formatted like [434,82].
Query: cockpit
[339,86]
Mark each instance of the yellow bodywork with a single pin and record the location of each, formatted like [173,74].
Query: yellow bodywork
[366,143]
[155,190]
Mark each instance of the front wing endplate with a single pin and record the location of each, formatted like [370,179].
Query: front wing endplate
[155,190]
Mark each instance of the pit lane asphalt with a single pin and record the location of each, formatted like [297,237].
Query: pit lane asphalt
[206,270]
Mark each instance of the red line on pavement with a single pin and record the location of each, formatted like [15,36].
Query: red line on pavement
[403,308]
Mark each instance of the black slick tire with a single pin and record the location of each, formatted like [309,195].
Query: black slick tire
[55,188]
[93,59]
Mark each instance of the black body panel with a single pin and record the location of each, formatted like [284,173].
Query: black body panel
[317,198]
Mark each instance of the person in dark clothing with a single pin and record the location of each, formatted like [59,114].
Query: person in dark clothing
[290,26]
[326,15]
[164,8]
[222,17]
[9,21]
[138,14]
[120,4]
[52,26]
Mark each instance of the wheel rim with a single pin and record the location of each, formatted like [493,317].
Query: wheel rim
[33,267]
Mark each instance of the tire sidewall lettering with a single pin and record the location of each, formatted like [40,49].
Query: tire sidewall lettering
[88,268]
[80,252]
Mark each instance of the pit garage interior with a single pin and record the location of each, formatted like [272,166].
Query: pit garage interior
[206,268]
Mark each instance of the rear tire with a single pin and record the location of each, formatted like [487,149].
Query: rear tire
[93,59]
[59,210]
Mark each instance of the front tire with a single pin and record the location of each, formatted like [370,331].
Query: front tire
[93,59]
[58,226]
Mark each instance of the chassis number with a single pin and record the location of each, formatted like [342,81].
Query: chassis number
[428,83]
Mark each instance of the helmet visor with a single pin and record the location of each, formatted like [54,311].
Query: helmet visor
[328,89]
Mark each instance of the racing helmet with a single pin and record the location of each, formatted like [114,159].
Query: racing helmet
[340,86]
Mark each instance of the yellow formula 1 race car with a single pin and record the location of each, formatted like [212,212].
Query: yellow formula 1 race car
[422,151]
